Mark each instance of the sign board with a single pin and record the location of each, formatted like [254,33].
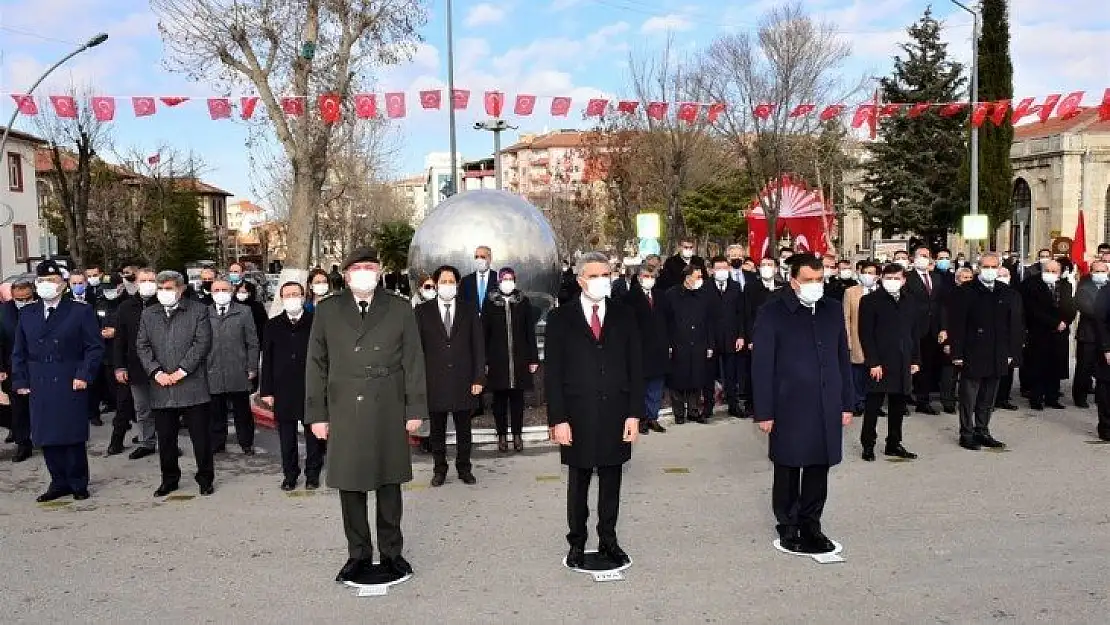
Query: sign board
[647,226]
[608,576]
[884,249]
[1061,246]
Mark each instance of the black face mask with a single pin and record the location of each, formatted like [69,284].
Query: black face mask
[206,285]
[736,263]
[128,277]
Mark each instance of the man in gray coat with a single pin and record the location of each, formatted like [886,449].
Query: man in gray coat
[232,366]
[365,384]
[175,337]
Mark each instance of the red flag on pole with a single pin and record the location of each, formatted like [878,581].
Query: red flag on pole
[395,104]
[495,102]
[104,108]
[248,105]
[1079,245]
[890,110]
[293,106]
[560,106]
[763,111]
[330,105]
[26,104]
[460,99]
[431,99]
[219,108]
[715,111]
[627,106]
[154,159]
[1104,108]
[1069,106]
[865,113]
[596,107]
[525,104]
[64,106]
[1048,106]
[688,112]
[366,106]
[657,110]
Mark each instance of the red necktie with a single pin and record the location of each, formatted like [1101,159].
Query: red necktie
[928,282]
[651,302]
[595,324]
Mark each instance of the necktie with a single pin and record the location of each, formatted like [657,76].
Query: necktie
[49,311]
[595,324]
[362,306]
[223,310]
[447,318]
[651,300]
[481,290]
[928,283]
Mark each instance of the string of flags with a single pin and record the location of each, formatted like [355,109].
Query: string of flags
[394,105]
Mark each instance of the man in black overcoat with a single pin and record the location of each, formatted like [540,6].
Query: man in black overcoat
[888,335]
[985,335]
[649,302]
[926,287]
[1086,337]
[594,382]
[1102,367]
[726,300]
[803,399]
[1049,311]
[671,274]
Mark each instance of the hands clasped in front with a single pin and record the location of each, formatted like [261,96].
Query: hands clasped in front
[561,433]
[767,426]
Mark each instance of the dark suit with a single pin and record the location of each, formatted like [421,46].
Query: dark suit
[927,296]
[888,335]
[671,273]
[729,325]
[1086,340]
[282,376]
[1047,357]
[651,318]
[20,404]
[593,385]
[468,289]
[1102,368]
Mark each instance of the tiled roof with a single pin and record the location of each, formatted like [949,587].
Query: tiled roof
[1087,121]
[557,139]
[22,136]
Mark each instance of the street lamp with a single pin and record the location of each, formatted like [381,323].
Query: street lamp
[974,100]
[451,101]
[91,43]
[496,126]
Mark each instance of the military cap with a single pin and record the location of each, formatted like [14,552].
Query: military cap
[361,255]
[49,268]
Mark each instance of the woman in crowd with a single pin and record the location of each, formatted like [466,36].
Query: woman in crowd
[689,329]
[319,287]
[246,293]
[511,356]
[426,292]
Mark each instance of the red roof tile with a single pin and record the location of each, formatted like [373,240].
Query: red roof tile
[1087,121]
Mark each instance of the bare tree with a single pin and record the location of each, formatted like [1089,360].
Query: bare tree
[299,48]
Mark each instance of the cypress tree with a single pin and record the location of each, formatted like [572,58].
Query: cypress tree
[996,82]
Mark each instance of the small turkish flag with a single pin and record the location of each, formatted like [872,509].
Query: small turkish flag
[64,106]
[248,104]
[890,110]
[154,159]
[688,112]
[331,107]
[173,100]
[366,106]
[979,113]
[596,107]
[560,106]
[460,99]
[832,111]
[953,108]
[431,99]
[525,104]
[919,109]
[998,113]
[293,106]
[219,108]
[1070,106]
[1104,108]
[26,104]
[1048,106]
[495,102]
[763,111]
[104,108]
[143,106]
[657,110]
[802,110]
[715,111]
[395,104]
[865,114]
[1024,108]
[627,106]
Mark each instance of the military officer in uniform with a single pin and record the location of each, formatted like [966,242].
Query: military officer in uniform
[365,393]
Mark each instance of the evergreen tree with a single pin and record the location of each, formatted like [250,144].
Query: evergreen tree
[911,180]
[186,239]
[996,82]
[716,210]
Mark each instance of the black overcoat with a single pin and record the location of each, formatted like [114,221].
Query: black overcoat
[651,319]
[1086,293]
[927,302]
[984,328]
[124,355]
[690,333]
[1102,334]
[755,296]
[593,385]
[670,275]
[509,323]
[284,352]
[802,379]
[1047,349]
[888,335]
[728,314]
[452,364]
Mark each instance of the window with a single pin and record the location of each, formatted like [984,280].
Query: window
[19,234]
[15,172]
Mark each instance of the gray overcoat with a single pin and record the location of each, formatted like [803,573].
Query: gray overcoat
[180,340]
[234,350]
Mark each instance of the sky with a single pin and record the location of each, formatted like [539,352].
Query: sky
[575,48]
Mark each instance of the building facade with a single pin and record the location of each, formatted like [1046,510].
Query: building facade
[20,224]
[542,165]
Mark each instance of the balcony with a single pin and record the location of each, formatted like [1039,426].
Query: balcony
[478,173]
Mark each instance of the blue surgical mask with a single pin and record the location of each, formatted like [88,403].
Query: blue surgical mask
[234,278]
[944,264]
[78,289]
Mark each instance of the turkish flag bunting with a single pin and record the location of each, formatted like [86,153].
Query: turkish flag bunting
[596,107]
[173,100]
[998,115]
[865,114]
[1024,108]
[1069,106]
[64,106]
[248,104]
[715,111]
[627,106]
[763,111]
[954,108]
[461,99]
[525,104]
[1104,108]
[293,106]
[1048,106]
[219,108]
[144,106]
[802,110]
[917,110]
[657,110]
[366,106]
[495,102]
[26,104]
[832,111]
[331,107]
[980,112]
[560,106]
[431,99]
[890,110]
[104,108]
[688,112]
[395,104]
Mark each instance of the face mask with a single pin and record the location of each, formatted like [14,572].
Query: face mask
[766,272]
[507,286]
[46,290]
[1043,261]
[206,285]
[78,289]
[292,305]
[988,274]
[1099,278]
[720,275]
[845,274]
[1006,256]
[892,286]
[234,278]
[428,293]
[810,292]
[20,304]
[1049,278]
[697,284]
[221,299]
[94,281]
[242,297]
[598,289]
[166,297]
[687,253]
[110,294]
[903,262]
[147,289]
[735,263]
[447,292]
[482,264]
[364,280]
[1003,279]
[921,263]
[867,280]
[647,283]
[320,289]
[944,264]
[828,272]
[130,287]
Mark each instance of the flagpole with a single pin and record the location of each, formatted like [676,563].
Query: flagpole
[451,102]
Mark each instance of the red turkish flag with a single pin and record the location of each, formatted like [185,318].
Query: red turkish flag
[560,106]
[979,113]
[395,104]
[763,111]
[998,115]
[366,106]
[1048,106]
[1024,108]
[1079,243]
[657,110]
[919,109]
[431,99]
[890,110]
[802,110]
[865,114]
[953,108]
[331,107]
[104,108]
[596,107]
[832,111]
[1104,108]
[219,108]
[495,102]
[173,100]
[154,159]
[627,106]
[26,104]
[1070,106]
[64,106]
[143,106]
[460,98]
[688,112]
[293,106]
[248,104]
[715,111]
[524,104]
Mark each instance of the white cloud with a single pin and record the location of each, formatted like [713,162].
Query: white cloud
[666,23]
[484,14]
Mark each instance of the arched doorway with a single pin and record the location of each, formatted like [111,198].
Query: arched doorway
[1022,201]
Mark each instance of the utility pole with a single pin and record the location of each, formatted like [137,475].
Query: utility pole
[451,103]
[496,126]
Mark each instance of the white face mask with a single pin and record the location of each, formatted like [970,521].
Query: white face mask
[110,294]
[242,297]
[147,289]
[427,292]
[598,288]
[363,280]
[1003,279]
[867,280]
[131,287]
[320,289]
[1043,261]
[828,272]
[507,286]
[46,290]
[902,261]
[921,263]
[811,292]
[447,292]
[1049,278]
[647,283]
[988,274]
[845,274]
[222,298]
[19,304]
[720,275]
[1099,277]
[482,264]
[292,305]
[697,284]
[167,297]
[94,281]
[766,272]
[687,253]
[892,286]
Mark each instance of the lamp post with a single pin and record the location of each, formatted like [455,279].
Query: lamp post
[974,100]
[451,103]
[496,126]
[91,43]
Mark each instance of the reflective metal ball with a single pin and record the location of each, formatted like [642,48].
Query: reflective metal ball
[516,231]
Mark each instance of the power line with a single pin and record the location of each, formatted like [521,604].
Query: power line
[34,35]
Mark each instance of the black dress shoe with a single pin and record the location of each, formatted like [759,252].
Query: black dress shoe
[165,489]
[644,428]
[502,443]
[1056,405]
[141,452]
[881,413]
[468,478]
[698,417]
[207,489]
[1036,405]
[970,443]
[51,495]
[398,565]
[248,451]
[438,479]
[949,409]
[311,483]
[288,485]
[114,449]
[734,410]
[10,438]
[869,454]
[97,421]
[816,543]
[353,568]
[654,426]
[986,440]
[1006,405]
[219,449]
[576,557]
[680,419]
[80,495]
[22,454]
[899,451]
[614,553]
[926,409]
[518,443]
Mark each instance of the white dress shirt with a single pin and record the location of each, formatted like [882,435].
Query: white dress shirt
[588,309]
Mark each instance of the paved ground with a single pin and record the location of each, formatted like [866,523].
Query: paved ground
[955,537]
